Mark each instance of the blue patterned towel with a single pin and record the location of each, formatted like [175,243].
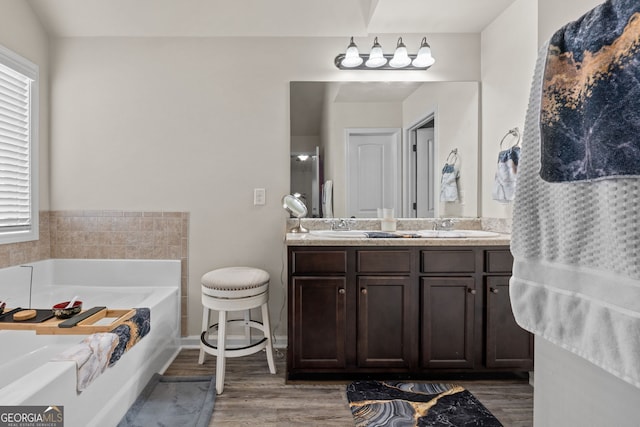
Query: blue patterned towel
[590,109]
[504,186]
[130,332]
[390,235]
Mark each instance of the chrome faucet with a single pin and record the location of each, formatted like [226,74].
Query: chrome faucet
[341,224]
[444,224]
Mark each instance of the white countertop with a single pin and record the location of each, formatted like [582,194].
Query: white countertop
[306,239]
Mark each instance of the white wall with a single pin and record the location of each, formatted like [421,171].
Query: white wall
[165,124]
[509,52]
[553,14]
[569,391]
[456,107]
[21,32]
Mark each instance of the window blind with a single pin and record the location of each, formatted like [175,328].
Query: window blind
[15,182]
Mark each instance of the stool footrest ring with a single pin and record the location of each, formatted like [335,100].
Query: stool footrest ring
[235,351]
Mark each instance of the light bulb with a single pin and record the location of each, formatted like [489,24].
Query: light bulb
[376,57]
[424,58]
[352,56]
[400,57]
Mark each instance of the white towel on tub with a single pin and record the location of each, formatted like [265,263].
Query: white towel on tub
[576,247]
[91,356]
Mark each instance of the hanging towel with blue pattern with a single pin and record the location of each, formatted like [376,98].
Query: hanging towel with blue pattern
[504,186]
[590,115]
[449,183]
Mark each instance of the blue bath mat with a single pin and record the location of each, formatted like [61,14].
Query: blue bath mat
[173,401]
[400,404]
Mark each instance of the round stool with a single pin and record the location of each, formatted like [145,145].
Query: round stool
[235,289]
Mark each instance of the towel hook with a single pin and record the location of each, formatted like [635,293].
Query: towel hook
[513,132]
[453,154]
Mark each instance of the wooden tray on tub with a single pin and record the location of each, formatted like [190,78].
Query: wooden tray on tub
[88,325]
[97,319]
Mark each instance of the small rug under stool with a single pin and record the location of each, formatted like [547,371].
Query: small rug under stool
[173,401]
[401,404]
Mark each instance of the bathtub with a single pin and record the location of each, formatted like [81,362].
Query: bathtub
[28,376]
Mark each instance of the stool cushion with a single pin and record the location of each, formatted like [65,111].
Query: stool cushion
[230,282]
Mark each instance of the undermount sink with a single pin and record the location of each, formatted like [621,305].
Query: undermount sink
[340,234]
[448,234]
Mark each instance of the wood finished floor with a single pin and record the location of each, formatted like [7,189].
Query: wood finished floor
[254,397]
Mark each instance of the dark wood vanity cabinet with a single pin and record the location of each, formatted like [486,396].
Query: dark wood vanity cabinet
[406,311]
[447,322]
[507,344]
[319,336]
[318,303]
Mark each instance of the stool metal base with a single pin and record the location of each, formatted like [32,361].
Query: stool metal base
[235,351]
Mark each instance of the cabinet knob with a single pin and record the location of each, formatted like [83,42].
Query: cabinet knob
[364,291]
[341,291]
[494,290]
[472,291]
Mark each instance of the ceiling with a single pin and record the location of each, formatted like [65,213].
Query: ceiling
[263,18]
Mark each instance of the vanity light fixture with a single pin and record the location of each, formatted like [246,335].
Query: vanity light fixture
[424,57]
[376,57]
[400,56]
[352,57]
[377,60]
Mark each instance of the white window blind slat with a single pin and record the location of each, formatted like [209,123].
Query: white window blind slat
[14,117]
[16,99]
[13,104]
[18,115]
[12,76]
[5,139]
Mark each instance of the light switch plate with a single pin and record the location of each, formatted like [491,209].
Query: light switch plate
[259,196]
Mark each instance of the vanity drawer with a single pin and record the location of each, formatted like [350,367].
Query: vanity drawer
[318,262]
[498,261]
[450,261]
[392,261]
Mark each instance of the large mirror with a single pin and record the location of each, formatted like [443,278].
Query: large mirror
[360,146]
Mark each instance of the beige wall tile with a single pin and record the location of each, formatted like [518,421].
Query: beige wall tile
[113,234]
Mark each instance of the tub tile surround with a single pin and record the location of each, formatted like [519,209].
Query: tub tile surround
[109,234]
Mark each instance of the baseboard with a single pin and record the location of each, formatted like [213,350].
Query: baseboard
[193,341]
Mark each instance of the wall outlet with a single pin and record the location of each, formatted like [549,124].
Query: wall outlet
[259,196]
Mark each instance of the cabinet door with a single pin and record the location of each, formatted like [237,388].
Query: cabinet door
[447,317]
[386,322]
[508,345]
[319,328]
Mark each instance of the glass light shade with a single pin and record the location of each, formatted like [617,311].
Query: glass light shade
[424,58]
[376,57]
[400,57]
[352,56]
